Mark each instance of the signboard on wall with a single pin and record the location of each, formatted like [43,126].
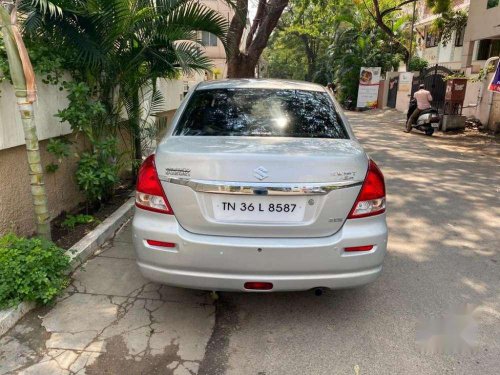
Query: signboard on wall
[495,82]
[369,82]
[405,81]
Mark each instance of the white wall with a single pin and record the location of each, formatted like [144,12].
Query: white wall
[482,22]
[50,100]
[173,90]
[404,93]
[482,111]
[471,98]
[446,55]
[445,51]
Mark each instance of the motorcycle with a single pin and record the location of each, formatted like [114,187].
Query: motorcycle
[427,121]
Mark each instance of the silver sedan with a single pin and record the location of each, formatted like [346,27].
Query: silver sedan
[260,185]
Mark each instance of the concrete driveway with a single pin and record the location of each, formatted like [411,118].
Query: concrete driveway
[435,310]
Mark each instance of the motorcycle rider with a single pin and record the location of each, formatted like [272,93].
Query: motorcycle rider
[424,99]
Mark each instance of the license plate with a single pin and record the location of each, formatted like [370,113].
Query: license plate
[258,209]
[435,125]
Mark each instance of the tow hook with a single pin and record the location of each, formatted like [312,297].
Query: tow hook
[214,295]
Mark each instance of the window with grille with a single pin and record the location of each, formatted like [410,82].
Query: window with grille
[208,39]
[431,38]
[459,37]
[488,48]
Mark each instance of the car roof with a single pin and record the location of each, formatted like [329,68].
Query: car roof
[259,84]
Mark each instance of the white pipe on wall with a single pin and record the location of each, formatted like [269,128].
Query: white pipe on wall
[481,91]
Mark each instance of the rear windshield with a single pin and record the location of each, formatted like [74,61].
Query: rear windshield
[261,113]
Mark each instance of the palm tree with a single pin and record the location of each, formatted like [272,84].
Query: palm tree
[23,78]
[119,46]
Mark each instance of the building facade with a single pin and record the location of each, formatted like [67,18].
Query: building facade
[482,42]
[482,36]
[175,90]
[429,46]
[466,52]
[212,46]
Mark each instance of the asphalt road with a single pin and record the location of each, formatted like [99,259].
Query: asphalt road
[441,276]
[434,310]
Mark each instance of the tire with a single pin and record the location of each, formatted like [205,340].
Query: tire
[429,132]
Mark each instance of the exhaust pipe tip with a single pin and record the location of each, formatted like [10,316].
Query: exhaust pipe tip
[318,292]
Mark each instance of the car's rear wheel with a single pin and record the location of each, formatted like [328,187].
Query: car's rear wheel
[429,132]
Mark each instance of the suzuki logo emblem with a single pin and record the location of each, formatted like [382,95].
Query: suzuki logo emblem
[260,173]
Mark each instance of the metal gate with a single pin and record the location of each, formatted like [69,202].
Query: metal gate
[433,79]
[393,92]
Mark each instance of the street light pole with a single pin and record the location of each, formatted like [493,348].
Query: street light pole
[412,34]
[391,41]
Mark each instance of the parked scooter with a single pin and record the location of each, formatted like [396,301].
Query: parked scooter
[348,104]
[427,121]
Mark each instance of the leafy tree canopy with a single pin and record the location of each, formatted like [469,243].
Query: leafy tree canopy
[328,41]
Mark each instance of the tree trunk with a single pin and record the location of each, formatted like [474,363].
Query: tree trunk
[311,70]
[242,64]
[311,57]
[378,17]
[25,107]
[236,58]
[35,168]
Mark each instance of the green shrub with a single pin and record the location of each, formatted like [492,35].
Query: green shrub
[417,64]
[97,172]
[51,168]
[31,270]
[71,221]
[60,148]
[83,113]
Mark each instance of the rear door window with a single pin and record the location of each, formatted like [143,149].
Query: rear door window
[261,113]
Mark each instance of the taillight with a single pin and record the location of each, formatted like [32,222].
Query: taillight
[149,193]
[358,248]
[258,285]
[371,198]
[160,243]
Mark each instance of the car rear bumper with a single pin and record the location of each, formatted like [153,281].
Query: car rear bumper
[232,282]
[227,263]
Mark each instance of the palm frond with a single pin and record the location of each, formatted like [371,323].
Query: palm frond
[195,16]
[47,7]
[33,21]
[191,58]
[154,101]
